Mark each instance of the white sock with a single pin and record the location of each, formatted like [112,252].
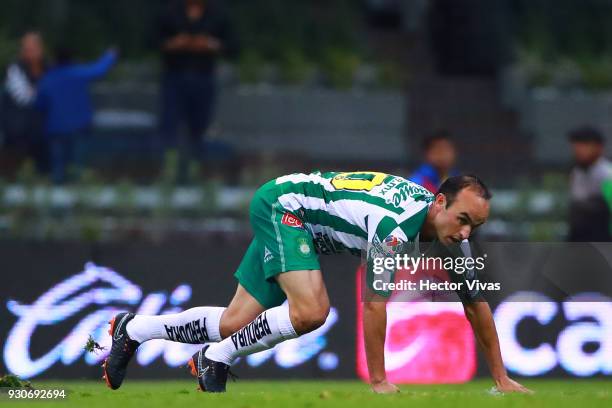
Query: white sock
[267,330]
[197,325]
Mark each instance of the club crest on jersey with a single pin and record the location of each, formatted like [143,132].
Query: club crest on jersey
[391,241]
[391,244]
[292,221]
[303,247]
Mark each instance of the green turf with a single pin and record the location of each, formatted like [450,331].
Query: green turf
[273,394]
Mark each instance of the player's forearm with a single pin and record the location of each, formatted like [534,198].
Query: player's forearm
[374,330]
[480,317]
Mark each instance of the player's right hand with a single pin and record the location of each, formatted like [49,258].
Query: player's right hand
[509,385]
[385,387]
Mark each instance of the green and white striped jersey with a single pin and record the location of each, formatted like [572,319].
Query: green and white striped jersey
[355,210]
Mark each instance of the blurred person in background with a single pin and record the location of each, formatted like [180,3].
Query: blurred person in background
[590,187]
[64,99]
[21,123]
[193,34]
[440,155]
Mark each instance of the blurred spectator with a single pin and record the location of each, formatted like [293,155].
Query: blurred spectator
[193,34]
[21,123]
[590,187]
[64,98]
[440,155]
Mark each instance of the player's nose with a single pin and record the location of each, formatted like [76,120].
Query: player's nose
[465,232]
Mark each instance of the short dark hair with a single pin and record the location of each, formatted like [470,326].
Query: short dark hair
[586,134]
[435,137]
[453,185]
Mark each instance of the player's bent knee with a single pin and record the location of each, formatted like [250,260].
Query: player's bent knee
[306,319]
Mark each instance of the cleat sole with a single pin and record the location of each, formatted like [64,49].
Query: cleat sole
[193,371]
[105,377]
[192,368]
[111,330]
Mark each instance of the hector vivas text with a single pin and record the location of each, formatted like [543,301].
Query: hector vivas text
[458,265]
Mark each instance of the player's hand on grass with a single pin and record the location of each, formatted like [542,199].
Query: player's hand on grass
[384,387]
[506,384]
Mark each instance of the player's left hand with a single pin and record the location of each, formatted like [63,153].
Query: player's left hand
[506,384]
[385,387]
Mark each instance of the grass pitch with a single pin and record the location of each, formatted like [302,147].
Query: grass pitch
[283,394]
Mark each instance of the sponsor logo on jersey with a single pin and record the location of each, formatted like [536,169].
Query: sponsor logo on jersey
[267,255]
[292,221]
[406,190]
[252,332]
[192,332]
[390,185]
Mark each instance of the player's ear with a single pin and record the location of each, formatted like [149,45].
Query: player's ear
[440,200]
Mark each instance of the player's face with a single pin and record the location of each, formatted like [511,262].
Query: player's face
[458,221]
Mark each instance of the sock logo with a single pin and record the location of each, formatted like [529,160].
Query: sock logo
[252,332]
[192,332]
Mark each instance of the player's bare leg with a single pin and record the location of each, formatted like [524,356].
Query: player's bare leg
[242,309]
[306,310]
[307,298]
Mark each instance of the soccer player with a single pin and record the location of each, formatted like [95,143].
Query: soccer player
[291,216]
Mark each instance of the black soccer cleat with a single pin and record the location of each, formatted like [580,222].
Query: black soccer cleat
[212,375]
[122,350]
